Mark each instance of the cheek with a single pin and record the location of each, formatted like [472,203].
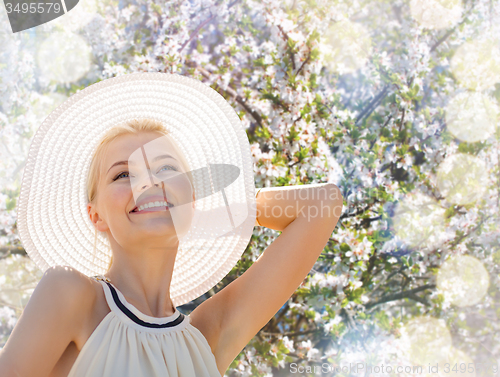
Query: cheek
[187,189]
[180,186]
[118,195]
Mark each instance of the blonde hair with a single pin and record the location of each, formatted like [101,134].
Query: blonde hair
[133,126]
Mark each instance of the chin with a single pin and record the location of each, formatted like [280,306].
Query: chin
[156,225]
[158,236]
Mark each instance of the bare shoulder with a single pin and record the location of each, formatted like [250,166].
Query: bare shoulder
[68,275]
[73,286]
[70,282]
[88,293]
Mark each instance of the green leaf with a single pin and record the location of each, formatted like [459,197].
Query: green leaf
[344,247]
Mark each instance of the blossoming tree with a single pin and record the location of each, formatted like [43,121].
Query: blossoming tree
[396,102]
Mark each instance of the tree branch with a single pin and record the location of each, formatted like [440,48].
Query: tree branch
[200,26]
[5,251]
[290,52]
[451,31]
[372,105]
[359,211]
[195,33]
[388,277]
[371,264]
[290,334]
[400,295]
[255,115]
[305,62]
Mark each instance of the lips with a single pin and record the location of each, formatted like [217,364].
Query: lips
[152,209]
[155,198]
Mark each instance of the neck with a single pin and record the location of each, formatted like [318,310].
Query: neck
[144,278]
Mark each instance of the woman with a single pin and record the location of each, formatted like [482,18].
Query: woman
[125,322]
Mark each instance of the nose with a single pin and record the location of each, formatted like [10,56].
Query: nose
[145,186]
[156,185]
[145,180]
[149,181]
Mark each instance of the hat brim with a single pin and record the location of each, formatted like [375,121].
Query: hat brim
[53,223]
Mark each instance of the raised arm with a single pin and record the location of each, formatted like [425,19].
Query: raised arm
[50,321]
[307,216]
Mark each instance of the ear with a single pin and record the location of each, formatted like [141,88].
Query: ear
[193,199]
[98,222]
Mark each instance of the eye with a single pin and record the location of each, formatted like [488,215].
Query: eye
[116,177]
[126,172]
[169,166]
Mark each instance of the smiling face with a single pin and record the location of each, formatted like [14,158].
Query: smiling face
[139,171]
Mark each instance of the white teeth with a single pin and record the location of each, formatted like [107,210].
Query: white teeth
[154,204]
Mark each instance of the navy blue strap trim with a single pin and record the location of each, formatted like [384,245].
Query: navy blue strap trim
[139,321]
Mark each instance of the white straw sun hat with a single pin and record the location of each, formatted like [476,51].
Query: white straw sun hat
[53,222]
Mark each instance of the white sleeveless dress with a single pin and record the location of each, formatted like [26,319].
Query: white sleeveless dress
[128,343]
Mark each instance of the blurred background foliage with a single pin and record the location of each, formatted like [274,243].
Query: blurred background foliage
[396,102]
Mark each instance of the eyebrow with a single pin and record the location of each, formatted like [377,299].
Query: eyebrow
[157,158]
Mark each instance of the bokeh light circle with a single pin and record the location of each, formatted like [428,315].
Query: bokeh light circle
[43,105]
[347,46]
[79,16]
[428,340]
[462,178]
[463,280]
[476,64]
[64,57]
[418,220]
[436,14]
[471,116]
[460,364]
